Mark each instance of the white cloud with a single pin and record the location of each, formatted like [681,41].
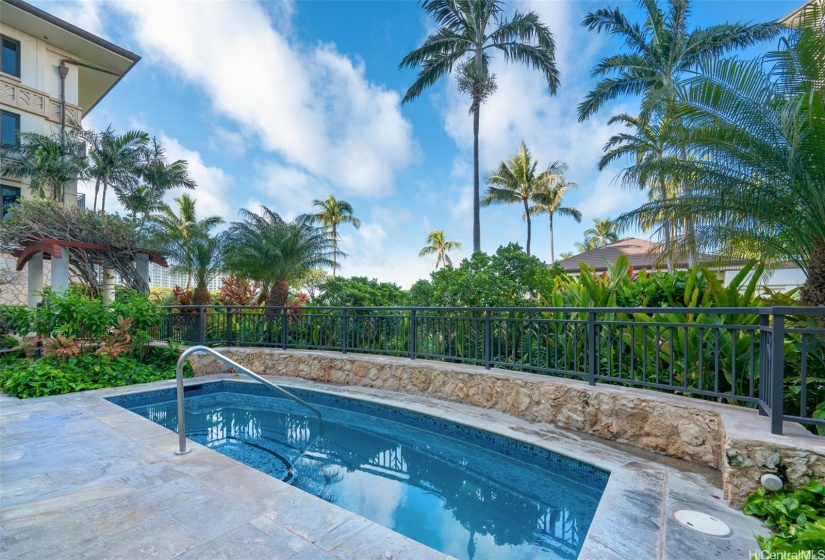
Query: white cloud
[311,105]
[291,189]
[212,194]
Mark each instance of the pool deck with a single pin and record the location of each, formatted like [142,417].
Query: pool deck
[81,477]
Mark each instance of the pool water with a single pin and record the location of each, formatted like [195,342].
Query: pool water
[459,490]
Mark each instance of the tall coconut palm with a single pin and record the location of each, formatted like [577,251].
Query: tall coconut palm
[548,199]
[50,162]
[516,181]
[333,213]
[114,160]
[468,31]
[604,231]
[177,232]
[648,143]
[759,129]
[266,248]
[439,246]
[662,51]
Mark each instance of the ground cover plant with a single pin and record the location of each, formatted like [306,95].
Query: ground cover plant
[797,518]
[82,343]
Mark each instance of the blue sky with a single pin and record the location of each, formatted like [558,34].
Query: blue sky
[283,102]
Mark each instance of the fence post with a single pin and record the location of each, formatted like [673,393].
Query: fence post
[169,329]
[777,388]
[229,326]
[488,340]
[284,329]
[201,325]
[344,331]
[764,374]
[413,333]
[591,347]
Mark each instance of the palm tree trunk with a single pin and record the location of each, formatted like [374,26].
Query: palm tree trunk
[476,199]
[527,216]
[279,293]
[334,249]
[813,290]
[552,250]
[666,227]
[687,191]
[103,199]
[97,188]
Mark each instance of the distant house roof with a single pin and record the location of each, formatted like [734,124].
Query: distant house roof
[641,255]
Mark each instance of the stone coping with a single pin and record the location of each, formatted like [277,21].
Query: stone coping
[117,488]
[733,440]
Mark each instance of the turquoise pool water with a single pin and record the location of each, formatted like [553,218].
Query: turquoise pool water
[463,491]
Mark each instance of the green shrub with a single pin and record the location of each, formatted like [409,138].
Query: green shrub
[52,375]
[798,518]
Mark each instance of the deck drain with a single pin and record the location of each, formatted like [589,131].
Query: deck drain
[702,522]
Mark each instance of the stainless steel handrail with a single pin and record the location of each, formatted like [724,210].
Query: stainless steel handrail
[236,366]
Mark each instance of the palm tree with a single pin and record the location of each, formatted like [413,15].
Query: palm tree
[205,265]
[160,175]
[661,52]
[114,159]
[468,31]
[438,245]
[566,254]
[177,232]
[589,244]
[139,200]
[548,199]
[266,248]
[604,232]
[648,143]
[334,212]
[759,128]
[50,162]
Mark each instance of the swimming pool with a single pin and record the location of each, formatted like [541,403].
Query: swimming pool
[457,489]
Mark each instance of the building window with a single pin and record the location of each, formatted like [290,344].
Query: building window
[9,129]
[10,196]
[10,57]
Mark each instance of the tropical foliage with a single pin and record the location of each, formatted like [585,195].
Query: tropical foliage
[798,519]
[49,162]
[359,291]
[441,247]
[468,32]
[333,213]
[114,160]
[548,200]
[266,248]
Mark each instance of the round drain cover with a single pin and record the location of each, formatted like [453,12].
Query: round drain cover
[702,522]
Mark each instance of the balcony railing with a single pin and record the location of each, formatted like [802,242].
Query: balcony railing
[772,359]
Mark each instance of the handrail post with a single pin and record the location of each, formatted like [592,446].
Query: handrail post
[488,340]
[412,334]
[229,326]
[591,347]
[201,325]
[284,328]
[764,374]
[777,388]
[344,331]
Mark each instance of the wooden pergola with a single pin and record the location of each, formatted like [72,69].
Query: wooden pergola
[53,248]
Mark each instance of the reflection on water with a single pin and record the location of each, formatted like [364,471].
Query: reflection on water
[458,498]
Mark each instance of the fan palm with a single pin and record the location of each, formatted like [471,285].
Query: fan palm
[648,143]
[50,162]
[548,199]
[439,246]
[604,232]
[333,213]
[468,30]
[114,160]
[177,232]
[661,52]
[516,181]
[266,248]
[758,128]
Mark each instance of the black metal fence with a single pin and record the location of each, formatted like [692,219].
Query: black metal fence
[772,359]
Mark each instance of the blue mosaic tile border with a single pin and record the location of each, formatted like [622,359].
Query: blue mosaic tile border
[583,473]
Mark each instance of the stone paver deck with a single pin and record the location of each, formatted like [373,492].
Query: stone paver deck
[83,478]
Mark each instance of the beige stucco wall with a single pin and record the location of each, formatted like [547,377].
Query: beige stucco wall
[734,440]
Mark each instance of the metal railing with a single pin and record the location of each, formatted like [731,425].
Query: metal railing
[240,369]
[772,359]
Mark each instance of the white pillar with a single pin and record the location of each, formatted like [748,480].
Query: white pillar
[35,270]
[60,272]
[142,265]
[108,285]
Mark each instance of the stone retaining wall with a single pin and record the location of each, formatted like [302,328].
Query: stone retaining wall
[734,440]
